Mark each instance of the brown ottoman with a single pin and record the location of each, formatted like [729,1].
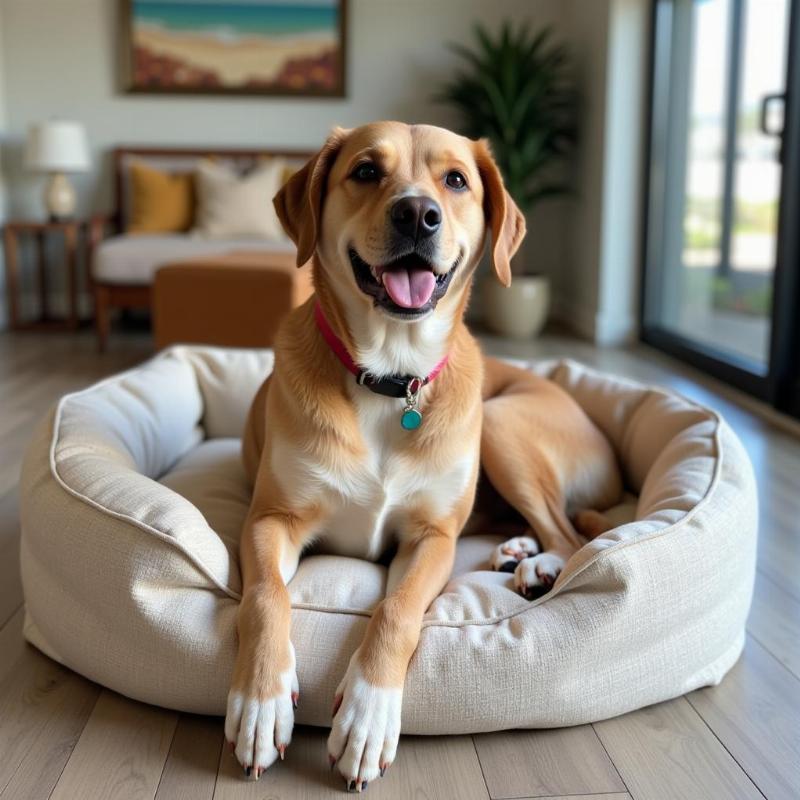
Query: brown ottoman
[236,299]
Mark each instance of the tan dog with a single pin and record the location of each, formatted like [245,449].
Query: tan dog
[395,218]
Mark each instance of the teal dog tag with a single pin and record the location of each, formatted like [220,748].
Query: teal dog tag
[411,419]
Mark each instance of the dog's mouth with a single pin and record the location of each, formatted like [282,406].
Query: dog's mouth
[406,287]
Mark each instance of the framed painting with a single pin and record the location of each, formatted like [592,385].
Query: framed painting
[237,47]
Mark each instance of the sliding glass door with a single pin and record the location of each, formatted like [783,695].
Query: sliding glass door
[721,245]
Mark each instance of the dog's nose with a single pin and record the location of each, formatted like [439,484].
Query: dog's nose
[417,217]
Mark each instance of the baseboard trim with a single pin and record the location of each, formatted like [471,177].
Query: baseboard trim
[598,327]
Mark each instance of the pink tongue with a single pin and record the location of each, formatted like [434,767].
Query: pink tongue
[409,288]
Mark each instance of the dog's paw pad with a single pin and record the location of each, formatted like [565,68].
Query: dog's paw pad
[507,555]
[536,575]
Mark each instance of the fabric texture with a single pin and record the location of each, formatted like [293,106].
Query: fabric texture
[233,206]
[162,202]
[135,259]
[132,500]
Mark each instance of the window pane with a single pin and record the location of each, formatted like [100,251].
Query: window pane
[715,177]
[705,169]
[758,172]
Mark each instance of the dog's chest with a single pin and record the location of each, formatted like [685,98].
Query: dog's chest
[370,501]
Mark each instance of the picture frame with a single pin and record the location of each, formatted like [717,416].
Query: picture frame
[284,48]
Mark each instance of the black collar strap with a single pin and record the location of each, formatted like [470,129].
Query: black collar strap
[391,385]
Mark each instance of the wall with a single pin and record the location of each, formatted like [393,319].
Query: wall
[575,285]
[622,199]
[596,292]
[60,58]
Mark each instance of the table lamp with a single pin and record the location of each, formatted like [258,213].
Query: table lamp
[57,147]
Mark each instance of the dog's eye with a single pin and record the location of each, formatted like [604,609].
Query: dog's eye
[366,173]
[455,180]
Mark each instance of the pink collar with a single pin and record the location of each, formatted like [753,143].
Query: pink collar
[390,385]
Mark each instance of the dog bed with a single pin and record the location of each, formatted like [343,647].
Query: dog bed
[132,500]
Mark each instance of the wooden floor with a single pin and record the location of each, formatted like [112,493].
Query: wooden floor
[64,737]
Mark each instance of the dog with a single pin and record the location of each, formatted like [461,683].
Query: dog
[377,418]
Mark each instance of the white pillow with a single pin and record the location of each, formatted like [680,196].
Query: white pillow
[234,206]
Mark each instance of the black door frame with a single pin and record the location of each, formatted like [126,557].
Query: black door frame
[781,385]
[784,376]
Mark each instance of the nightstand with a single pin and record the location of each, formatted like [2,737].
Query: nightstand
[70,233]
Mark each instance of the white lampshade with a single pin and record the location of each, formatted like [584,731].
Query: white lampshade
[57,146]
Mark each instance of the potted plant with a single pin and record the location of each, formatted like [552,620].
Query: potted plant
[516,89]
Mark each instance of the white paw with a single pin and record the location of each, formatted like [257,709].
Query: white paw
[365,729]
[261,729]
[537,573]
[506,556]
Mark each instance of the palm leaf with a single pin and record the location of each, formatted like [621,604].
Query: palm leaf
[516,88]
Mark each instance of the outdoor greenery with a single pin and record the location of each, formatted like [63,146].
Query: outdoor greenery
[705,288]
[747,293]
[702,220]
[516,88]
[756,300]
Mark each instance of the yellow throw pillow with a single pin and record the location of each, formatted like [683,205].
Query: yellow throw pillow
[161,202]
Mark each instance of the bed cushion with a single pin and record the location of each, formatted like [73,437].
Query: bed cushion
[132,499]
[132,259]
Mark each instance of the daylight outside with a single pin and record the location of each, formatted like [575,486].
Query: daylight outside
[728,253]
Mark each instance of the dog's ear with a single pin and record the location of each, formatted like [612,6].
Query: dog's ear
[299,202]
[506,221]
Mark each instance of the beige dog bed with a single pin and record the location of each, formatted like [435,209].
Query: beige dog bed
[132,499]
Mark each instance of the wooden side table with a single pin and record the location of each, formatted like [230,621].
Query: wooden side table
[70,231]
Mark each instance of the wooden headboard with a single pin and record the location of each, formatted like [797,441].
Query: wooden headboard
[181,158]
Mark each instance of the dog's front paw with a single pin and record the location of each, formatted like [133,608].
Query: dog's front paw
[260,717]
[507,555]
[535,576]
[366,728]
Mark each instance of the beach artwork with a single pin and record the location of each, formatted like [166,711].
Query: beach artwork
[293,47]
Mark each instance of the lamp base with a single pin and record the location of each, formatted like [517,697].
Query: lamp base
[59,197]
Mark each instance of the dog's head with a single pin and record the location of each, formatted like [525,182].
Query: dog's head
[398,215]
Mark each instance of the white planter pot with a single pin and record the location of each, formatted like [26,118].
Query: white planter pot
[519,311]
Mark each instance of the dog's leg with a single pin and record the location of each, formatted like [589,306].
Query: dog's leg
[366,723]
[536,573]
[541,452]
[523,476]
[537,564]
[264,689]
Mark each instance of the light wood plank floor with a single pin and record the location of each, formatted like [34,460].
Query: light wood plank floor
[64,737]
